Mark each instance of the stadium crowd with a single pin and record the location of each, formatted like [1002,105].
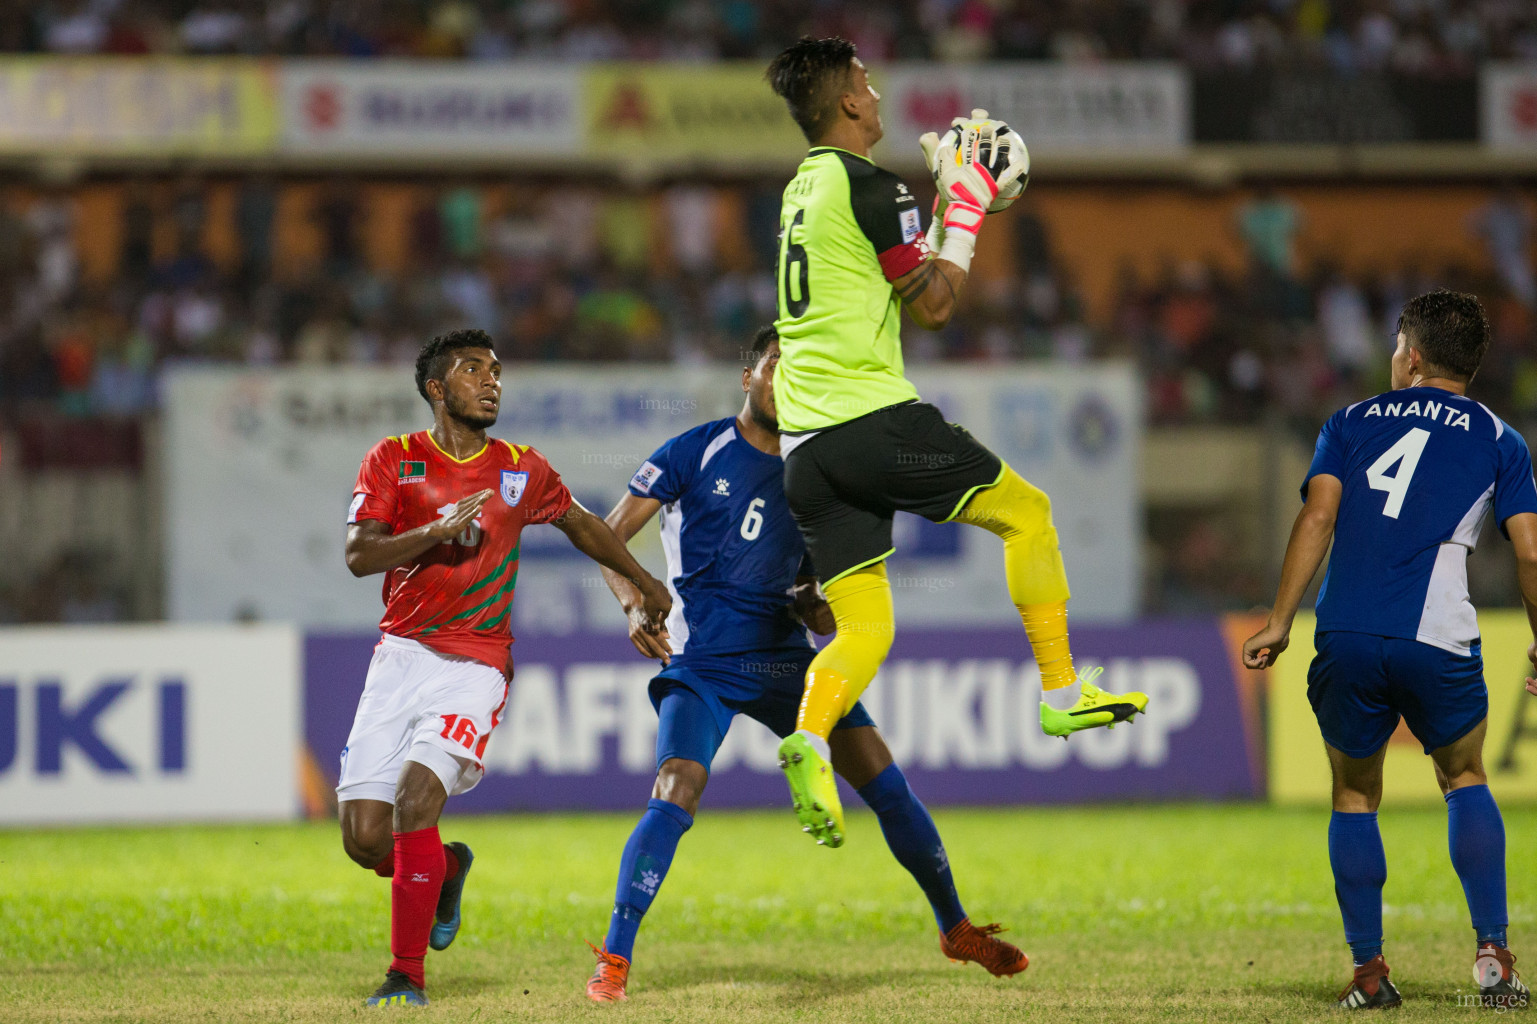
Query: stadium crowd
[1417,37]
[578,277]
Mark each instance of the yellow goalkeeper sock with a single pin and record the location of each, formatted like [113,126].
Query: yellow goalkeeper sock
[861,604]
[1020,513]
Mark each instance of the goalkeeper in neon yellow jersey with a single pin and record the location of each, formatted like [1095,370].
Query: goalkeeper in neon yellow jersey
[858,444]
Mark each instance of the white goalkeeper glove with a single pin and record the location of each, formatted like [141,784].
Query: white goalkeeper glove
[971,164]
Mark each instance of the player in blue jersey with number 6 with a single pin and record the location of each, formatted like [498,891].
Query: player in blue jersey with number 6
[1403,483]
[736,643]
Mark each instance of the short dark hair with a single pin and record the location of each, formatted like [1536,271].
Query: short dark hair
[432,361]
[1450,329]
[812,76]
[766,336]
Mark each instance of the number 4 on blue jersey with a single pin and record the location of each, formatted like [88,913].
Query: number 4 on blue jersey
[1420,469]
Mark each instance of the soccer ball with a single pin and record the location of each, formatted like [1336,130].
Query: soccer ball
[1005,150]
[1010,192]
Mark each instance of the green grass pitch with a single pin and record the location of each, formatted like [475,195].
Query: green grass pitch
[1167,913]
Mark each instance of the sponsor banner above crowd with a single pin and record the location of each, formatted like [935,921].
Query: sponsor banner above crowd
[1299,771]
[1306,107]
[959,709]
[111,106]
[637,117]
[716,114]
[410,111]
[1120,108]
[1508,98]
[260,466]
[149,723]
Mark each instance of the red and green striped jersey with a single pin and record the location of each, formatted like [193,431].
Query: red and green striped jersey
[457,596]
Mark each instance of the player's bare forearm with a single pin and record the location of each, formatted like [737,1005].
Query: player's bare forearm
[1522,529]
[930,291]
[625,519]
[371,547]
[1311,535]
[1305,552]
[594,538]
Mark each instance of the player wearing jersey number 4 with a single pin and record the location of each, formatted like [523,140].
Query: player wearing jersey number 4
[859,445]
[1402,483]
[440,513]
[733,646]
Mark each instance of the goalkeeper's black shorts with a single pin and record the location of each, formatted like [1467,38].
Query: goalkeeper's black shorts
[845,483]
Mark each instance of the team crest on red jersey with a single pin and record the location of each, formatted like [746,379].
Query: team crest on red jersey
[412,472]
[513,483]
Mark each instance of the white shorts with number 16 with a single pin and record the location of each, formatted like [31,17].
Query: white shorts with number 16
[419,705]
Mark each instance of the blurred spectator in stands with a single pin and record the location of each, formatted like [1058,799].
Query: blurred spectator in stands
[323,338]
[134,29]
[1268,224]
[1504,224]
[469,295]
[624,231]
[336,215]
[460,210]
[1032,237]
[690,211]
[1345,319]
[73,26]
[73,351]
[15,246]
[51,219]
[189,212]
[214,26]
[255,213]
[136,250]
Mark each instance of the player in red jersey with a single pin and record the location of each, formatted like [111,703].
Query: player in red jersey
[440,512]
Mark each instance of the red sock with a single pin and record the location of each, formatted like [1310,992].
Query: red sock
[450,862]
[418,879]
[386,867]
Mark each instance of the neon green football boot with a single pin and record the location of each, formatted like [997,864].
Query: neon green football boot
[814,790]
[1095,708]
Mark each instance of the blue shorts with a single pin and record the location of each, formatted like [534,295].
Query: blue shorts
[1359,685]
[696,697]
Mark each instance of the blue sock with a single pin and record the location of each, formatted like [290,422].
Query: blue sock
[1360,871]
[915,842]
[647,856]
[1476,834]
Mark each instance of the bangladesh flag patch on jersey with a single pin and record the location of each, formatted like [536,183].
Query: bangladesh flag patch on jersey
[412,472]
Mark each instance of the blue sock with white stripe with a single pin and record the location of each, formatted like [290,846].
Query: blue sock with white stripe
[915,842]
[1360,872]
[1476,834]
[647,856]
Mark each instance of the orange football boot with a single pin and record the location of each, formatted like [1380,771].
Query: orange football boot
[609,978]
[968,942]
